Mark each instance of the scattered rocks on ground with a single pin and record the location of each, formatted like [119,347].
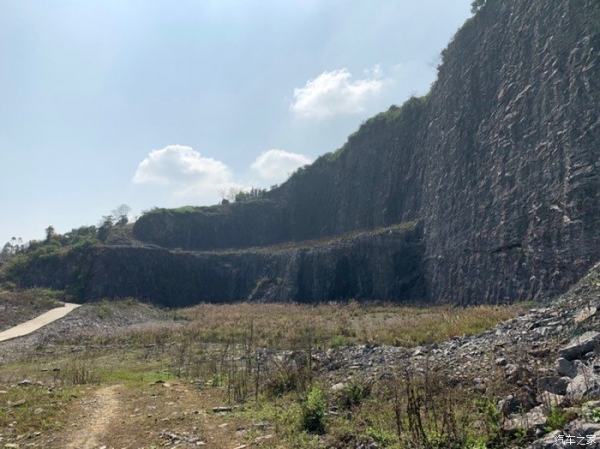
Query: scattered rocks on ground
[182,439]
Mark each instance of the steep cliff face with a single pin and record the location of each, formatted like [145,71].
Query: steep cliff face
[373,181]
[511,190]
[385,264]
[500,163]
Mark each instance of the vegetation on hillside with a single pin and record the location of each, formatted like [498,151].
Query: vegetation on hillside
[18,257]
[476,5]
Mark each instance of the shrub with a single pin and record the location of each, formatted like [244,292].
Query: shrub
[356,392]
[313,411]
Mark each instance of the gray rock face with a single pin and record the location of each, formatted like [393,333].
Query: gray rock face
[499,163]
[382,265]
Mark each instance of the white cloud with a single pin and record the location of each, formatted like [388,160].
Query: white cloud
[186,170]
[276,164]
[334,93]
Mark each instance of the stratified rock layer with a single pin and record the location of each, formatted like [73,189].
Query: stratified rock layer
[500,164]
[380,264]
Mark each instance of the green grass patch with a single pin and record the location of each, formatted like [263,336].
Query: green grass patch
[29,409]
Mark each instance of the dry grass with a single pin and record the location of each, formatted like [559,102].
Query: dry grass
[283,326]
[28,411]
[206,354]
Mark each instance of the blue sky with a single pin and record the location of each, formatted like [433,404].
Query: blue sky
[162,103]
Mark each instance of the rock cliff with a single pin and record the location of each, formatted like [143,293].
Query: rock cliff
[499,164]
[381,264]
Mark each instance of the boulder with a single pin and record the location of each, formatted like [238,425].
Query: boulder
[565,368]
[556,385]
[584,386]
[579,346]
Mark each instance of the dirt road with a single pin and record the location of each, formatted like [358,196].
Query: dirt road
[32,325]
[98,413]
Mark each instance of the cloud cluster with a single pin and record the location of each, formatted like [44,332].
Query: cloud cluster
[334,93]
[276,164]
[190,174]
[185,169]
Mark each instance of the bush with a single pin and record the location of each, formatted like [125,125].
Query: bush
[355,393]
[313,411]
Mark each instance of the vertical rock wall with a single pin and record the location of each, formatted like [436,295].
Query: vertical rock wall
[500,163]
[511,189]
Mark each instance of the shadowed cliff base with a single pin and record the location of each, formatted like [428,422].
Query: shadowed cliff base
[383,264]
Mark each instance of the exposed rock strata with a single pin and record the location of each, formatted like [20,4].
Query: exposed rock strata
[377,265]
[500,162]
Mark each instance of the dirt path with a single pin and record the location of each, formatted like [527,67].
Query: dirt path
[102,409]
[32,325]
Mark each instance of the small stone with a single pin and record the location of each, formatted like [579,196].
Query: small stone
[24,383]
[259,440]
[16,403]
[339,386]
[222,409]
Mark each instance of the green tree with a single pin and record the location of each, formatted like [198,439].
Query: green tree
[253,193]
[50,232]
[106,224]
[476,5]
